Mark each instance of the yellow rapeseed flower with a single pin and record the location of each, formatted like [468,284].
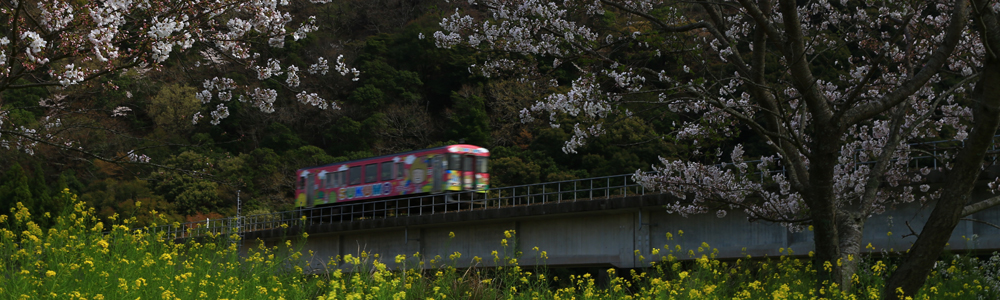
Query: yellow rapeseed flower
[50,273]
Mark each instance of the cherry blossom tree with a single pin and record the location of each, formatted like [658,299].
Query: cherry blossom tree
[59,44]
[955,201]
[840,91]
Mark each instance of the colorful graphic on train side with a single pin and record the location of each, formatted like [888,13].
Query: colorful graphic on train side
[452,168]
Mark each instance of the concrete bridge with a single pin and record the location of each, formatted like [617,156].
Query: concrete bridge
[606,221]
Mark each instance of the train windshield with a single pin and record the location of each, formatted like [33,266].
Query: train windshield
[467,164]
[481,164]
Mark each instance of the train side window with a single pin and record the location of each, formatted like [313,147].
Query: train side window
[481,164]
[371,173]
[387,171]
[302,182]
[454,162]
[355,175]
[468,165]
[400,173]
[340,179]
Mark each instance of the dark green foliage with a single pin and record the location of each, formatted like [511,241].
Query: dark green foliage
[186,186]
[24,99]
[31,190]
[469,120]
[15,189]
[509,171]
[67,180]
[128,198]
[281,138]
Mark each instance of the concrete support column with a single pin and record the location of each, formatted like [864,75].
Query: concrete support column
[642,237]
[414,241]
[626,237]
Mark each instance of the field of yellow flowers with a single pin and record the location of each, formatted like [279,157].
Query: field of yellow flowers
[82,258]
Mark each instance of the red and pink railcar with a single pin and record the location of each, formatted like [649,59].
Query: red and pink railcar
[449,168]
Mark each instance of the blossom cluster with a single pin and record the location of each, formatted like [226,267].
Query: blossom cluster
[73,42]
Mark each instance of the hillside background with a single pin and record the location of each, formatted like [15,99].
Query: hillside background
[411,95]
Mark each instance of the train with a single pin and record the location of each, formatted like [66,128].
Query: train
[450,168]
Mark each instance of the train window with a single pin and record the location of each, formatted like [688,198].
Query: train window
[387,170]
[340,179]
[400,173]
[302,182]
[467,165]
[454,162]
[355,175]
[371,173]
[481,164]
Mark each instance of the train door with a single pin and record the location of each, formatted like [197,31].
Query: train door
[438,165]
[310,189]
[468,166]
[482,176]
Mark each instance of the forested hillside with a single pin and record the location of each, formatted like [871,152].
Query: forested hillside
[409,94]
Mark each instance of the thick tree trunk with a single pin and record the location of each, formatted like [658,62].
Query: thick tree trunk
[850,227]
[823,209]
[912,273]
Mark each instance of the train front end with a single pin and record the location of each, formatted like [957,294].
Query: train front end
[467,168]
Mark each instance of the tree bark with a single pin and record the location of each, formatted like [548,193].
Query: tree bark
[822,206]
[912,273]
[850,227]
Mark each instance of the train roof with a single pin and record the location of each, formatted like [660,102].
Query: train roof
[391,155]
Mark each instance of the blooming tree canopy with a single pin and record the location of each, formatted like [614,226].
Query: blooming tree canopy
[58,44]
[841,93]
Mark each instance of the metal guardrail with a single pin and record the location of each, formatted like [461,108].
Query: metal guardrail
[451,202]
[496,198]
